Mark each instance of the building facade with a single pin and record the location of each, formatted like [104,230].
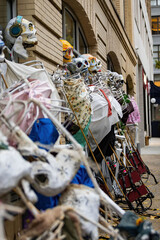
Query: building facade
[115,31]
[155,13]
[144,69]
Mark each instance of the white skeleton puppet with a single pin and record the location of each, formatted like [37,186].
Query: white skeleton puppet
[5,210]
[85,201]
[12,166]
[78,65]
[20,34]
[48,174]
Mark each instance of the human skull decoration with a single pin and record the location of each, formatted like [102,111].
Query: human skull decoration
[52,177]
[92,62]
[81,64]
[118,80]
[67,51]
[20,34]
[78,65]
[99,65]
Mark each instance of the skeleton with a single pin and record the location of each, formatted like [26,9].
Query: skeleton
[4,214]
[12,166]
[78,65]
[52,177]
[85,201]
[20,34]
[99,65]
[48,225]
[92,62]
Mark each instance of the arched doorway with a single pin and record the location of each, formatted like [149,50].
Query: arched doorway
[129,85]
[113,62]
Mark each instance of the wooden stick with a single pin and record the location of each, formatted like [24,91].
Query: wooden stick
[6,85]
[29,205]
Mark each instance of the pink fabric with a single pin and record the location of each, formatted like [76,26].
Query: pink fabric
[134,117]
[39,90]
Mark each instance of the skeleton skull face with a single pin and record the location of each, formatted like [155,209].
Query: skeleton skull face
[67,51]
[52,177]
[99,65]
[118,80]
[21,34]
[92,62]
[81,65]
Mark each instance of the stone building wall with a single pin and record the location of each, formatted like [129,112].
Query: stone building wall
[104,32]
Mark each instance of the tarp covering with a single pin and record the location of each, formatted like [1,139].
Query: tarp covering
[155,92]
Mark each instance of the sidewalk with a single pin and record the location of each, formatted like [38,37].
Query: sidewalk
[151,156]
[153,148]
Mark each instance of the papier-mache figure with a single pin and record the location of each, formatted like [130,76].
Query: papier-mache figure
[67,51]
[20,34]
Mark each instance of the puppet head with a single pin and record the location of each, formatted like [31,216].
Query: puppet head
[67,51]
[20,34]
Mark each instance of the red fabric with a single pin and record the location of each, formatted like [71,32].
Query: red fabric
[109,103]
[136,194]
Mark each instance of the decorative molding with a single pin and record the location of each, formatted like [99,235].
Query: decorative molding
[121,33]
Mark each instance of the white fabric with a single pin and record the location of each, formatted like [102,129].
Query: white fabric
[12,169]
[115,104]
[14,72]
[100,124]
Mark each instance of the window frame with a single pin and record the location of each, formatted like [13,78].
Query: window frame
[157,3]
[158,23]
[11,9]
[158,51]
[78,29]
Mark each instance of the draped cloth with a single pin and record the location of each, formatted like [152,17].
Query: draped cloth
[134,117]
[78,96]
[39,90]
[102,118]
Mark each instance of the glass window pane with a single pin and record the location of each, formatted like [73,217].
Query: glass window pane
[159,2]
[69,28]
[154,25]
[82,45]
[155,48]
[153,2]
[155,55]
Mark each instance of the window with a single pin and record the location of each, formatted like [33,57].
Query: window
[155,2]
[73,32]
[156,53]
[110,64]
[156,25]
[11,9]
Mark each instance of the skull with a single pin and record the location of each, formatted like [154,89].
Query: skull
[67,51]
[80,65]
[92,62]
[20,34]
[118,80]
[99,65]
[52,177]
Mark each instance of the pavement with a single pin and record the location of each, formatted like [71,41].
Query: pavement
[151,156]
